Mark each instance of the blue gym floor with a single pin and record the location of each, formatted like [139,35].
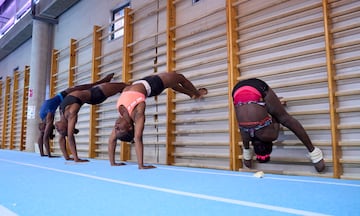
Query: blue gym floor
[34,185]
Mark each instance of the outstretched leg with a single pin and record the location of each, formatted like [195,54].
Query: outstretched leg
[277,110]
[90,85]
[180,83]
[110,89]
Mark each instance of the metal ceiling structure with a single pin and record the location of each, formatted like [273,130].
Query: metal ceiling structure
[21,30]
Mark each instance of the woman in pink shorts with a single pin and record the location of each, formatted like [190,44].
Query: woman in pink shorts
[259,112]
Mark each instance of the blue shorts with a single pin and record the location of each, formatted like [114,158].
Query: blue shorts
[50,106]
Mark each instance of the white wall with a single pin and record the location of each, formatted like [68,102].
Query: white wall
[80,19]
[19,58]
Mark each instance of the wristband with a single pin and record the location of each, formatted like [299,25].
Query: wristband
[247,154]
[316,155]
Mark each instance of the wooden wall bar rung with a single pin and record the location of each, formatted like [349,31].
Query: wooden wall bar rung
[200,40]
[197,64]
[216,106]
[201,155]
[284,71]
[107,35]
[62,56]
[87,44]
[82,64]
[307,97]
[346,60]
[187,55]
[147,48]
[208,95]
[301,82]
[201,30]
[156,122]
[61,86]
[350,143]
[309,112]
[152,113]
[279,16]
[291,143]
[316,127]
[60,72]
[211,13]
[83,78]
[155,103]
[336,3]
[345,28]
[347,93]
[147,4]
[141,68]
[345,12]
[350,161]
[283,57]
[148,57]
[78,41]
[104,125]
[152,13]
[199,131]
[145,38]
[197,119]
[57,52]
[347,109]
[347,76]
[160,63]
[237,3]
[348,126]
[202,143]
[207,72]
[264,5]
[110,62]
[103,55]
[152,133]
[282,43]
[346,44]
[271,31]
[114,70]
[289,160]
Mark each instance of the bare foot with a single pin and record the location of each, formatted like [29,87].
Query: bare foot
[52,156]
[81,160]
[320,166]
[248,163]
[147,167]
[109,77]
[118,164]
